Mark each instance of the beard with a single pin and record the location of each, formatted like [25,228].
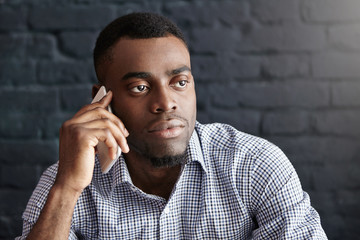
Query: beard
[166,157]
[168,161]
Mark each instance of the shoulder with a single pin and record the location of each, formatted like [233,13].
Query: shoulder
[218,136]
[244,153]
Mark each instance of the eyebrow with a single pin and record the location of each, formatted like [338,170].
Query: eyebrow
[145,75]
[179,70]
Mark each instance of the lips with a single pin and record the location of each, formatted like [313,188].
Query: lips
[164,125]
[166,129]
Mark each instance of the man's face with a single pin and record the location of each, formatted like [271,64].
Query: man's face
[153,94]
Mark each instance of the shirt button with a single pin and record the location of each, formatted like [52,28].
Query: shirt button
[166,210]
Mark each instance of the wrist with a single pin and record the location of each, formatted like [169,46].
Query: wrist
[65,191]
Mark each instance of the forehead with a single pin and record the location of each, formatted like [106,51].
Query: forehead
[150,53]
[154,55]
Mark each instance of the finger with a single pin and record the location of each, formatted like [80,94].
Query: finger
[103,103]
[99,113]
[103,135]
[117,133]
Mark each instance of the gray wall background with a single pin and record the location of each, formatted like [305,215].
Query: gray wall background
[286,70]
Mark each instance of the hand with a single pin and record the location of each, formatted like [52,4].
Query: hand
[78,139]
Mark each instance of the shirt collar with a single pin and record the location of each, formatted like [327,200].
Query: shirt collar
[194,151]
[120,172]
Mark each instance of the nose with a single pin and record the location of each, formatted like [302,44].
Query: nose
[163,101]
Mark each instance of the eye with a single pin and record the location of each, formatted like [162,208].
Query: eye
[181,84]
[139,89]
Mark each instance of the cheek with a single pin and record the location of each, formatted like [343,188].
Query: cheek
[128,113]
[129,116]
[191,107]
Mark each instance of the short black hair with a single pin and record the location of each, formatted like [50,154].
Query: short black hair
[133,26]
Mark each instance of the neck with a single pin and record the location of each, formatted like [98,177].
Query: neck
[153,180]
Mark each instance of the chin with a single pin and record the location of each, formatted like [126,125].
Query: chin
[166,150]
[169,161]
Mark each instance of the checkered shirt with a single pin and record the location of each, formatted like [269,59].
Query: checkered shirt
[233,186]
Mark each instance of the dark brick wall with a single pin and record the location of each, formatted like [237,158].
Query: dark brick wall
[286,70]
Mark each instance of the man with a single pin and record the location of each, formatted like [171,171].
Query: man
[176,178]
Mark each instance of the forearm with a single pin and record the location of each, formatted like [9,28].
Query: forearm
[54,221]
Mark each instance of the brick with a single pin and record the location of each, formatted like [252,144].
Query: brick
[224,95]
[208,40]
[280,94]
[78,44]
[240,66]
[10,226]
[23,46]
[202,96]
[228,13]
[19,176]
[334,225]
[292,122]
[203,116]
[282,66]
[12,19]
[70,18]
[4,227]
[244,120]
[74,98]
[346,94]
[205,67]
[304,174]
[13,202]
[333,177]
[41,46]
[331,11]
[352,230]
[285,37]
[17,73]
[348,201]
[302,38]
[126,7]
[336,65]
[317,150]
[28,100]
[29,152]
[346,37]
[323,201]
[19,125]
[275,11]
[12,46]
[225,66]
[52,124]
[64,72]
[12,3]
[339,122]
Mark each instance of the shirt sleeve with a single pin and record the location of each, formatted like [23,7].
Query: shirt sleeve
[37,202]
[282,209]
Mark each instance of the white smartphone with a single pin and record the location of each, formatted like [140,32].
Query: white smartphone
[103,151]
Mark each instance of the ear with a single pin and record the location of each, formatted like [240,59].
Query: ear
[95,89]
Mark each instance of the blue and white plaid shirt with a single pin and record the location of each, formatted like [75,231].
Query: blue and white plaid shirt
[234,186]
